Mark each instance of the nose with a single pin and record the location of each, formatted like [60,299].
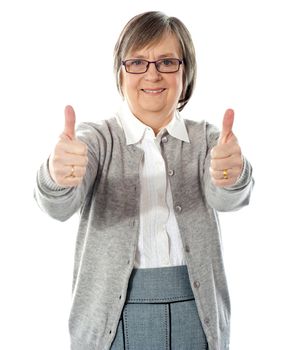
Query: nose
[152,72]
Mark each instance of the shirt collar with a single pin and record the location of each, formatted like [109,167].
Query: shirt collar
[134,129]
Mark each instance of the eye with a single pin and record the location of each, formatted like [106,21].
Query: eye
[137,62]
[168,62]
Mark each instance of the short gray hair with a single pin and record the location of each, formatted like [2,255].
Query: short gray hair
[148,28]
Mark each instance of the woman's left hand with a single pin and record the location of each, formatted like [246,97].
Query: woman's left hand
[226,158]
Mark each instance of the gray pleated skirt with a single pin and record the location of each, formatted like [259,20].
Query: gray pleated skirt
[160,312]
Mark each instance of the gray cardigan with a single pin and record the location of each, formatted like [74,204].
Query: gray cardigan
[108,201]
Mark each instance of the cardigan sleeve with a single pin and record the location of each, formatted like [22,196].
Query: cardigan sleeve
[228,198]
[59,202]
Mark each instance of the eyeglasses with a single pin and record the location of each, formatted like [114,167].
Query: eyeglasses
[165,65]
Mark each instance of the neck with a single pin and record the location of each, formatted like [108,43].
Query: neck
[155,122]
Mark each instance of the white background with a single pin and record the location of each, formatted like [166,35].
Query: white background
[59,52]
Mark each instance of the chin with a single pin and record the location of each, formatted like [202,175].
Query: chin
[153,107]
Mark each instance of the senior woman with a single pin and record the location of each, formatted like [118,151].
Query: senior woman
[148,270]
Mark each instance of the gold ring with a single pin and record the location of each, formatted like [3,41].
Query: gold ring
[225,175]
[73,171]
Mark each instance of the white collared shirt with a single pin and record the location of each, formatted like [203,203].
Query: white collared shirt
[159,242]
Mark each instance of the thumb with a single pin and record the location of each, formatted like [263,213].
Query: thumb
[227,127]
[70,121]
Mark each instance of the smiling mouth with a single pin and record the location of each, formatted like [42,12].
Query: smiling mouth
[153,91]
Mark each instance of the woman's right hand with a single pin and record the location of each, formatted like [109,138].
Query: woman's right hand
[68,161]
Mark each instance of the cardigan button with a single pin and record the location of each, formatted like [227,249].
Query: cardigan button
[178,208]
[164,139]
[207,321]
[131,148]
[170,172]
[196,284]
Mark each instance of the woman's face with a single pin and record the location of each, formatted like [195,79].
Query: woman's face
[153,96]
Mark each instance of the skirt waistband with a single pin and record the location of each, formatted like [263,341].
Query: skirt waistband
[159,285]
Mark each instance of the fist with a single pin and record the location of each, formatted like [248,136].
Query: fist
[226,158]
[68,161]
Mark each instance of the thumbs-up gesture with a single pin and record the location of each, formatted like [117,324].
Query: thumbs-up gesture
[226,157]
[68,161]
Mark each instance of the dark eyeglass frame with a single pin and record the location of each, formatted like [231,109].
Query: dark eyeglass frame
[124,63]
